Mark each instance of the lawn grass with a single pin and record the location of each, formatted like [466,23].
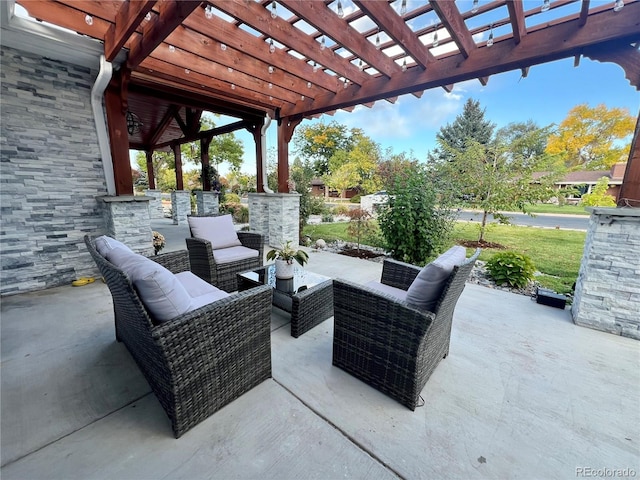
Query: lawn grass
[557,209]
[555,253]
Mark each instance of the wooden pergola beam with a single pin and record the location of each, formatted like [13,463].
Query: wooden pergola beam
[127,21]
[516,16]
[388,20]
[171,14]
[454,23]
[323,18]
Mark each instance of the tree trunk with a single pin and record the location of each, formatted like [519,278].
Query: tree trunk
[483,225]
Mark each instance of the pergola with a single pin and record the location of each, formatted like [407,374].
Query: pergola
[296,59]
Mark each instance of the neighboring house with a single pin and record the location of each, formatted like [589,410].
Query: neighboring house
[319,189]
[585,180]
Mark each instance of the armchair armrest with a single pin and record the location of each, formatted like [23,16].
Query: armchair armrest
[398,274]
[175,262]
[254,241]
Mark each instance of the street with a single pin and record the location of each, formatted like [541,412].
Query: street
[571,222]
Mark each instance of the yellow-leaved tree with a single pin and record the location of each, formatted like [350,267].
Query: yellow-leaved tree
[592,138]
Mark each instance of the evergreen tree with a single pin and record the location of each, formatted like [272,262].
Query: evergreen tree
[469,126]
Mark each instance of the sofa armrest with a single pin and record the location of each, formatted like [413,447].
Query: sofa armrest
[398,274]
[175,262]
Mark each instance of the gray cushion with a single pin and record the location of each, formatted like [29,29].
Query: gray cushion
[393,291]
[218,230]
[427,287]
[104,244]
[234,254]
[160,291]
[201,292]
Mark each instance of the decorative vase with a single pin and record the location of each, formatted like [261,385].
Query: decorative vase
[283,269]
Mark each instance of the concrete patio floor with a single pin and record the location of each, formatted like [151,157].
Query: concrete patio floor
[524,393]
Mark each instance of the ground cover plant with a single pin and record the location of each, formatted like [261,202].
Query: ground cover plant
[555,253]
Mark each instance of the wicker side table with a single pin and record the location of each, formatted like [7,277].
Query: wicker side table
[308,296]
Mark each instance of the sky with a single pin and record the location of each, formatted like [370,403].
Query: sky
[545,96]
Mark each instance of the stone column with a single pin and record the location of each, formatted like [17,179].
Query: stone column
[206,202]
[607,295]
[155,204]
[180,206]
[126,218]
[276,216]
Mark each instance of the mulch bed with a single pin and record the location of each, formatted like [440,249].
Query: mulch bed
[482,244]
[362,253]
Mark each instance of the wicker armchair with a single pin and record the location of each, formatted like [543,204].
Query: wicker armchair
[200,361]
[388,344]
[223,275]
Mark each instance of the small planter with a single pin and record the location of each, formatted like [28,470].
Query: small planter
[284,269]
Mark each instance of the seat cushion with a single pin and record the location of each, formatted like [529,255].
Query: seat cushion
[393,291]
[427,287]
[201,292]
[104,244]
[160,290]
[217,230]
[233,254]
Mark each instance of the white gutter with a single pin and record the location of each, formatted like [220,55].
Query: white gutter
[97,92]
[263,160]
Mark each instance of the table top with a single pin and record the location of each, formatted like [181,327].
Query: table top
[302,279]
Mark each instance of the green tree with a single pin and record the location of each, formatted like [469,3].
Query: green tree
[470,126]
[319,142]
[599,196]
[302,173]
[592,138]
[392,165]
[416,224]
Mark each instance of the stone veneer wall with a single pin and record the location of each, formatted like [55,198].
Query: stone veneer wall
[127,219]
[207,202]
[155,204]
[276,216]
[180,206]
[607,295]
[51,172]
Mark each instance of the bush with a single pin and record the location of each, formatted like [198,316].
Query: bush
[355,199]
[360,226]
[327,217]
[232,198]
[415,227]
[341,210]
[317,206]
[239,212]
[514,269]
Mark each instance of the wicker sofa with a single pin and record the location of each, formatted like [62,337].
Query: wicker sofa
[222,275]
[387,343]
[198,362]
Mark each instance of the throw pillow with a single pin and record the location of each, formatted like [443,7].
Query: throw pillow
[218,230]
[104,244]
[160,291]
[427,287]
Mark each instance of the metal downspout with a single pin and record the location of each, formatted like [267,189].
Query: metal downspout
[97,93]
[263,160]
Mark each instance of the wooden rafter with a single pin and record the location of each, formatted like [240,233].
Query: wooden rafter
[516,15]
[319,16]
[171,14]
[126,22]
[387,19]
[453,22]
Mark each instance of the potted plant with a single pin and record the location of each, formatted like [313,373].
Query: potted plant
[284,257]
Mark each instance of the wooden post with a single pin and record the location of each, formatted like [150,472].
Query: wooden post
[116,107]
[150,173]
[204,160]
[178,157]
[629,195]
[256,130]
[285,132]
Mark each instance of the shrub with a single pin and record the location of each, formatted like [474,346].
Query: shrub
[317,206]
[414,225]
[514,269]
[599,197]
[232,198]
[355,199]
[341,210]
[327,217]
[239,212]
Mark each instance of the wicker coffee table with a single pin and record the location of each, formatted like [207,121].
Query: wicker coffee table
[308,296]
